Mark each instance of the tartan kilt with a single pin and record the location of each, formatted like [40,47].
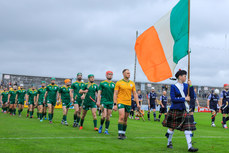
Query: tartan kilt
[179,120]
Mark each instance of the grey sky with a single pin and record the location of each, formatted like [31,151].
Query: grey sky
[61,38]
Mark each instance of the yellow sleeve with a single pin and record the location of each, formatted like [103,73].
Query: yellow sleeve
[117,86]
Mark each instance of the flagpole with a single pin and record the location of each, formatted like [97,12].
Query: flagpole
[135,61]
[188,44]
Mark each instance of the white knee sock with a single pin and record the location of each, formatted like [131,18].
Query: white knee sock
[188,138]
[170,136]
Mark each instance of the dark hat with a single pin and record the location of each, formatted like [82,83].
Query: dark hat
[180,72]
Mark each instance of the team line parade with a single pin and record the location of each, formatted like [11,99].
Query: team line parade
[121,97]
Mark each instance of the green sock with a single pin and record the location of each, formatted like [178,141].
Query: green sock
[107,124]
[19,112]
[81,122]
[102,121]
[64,117]
[31,113]
[95,123]
[120,128]
[49,116]
[41,116]
[77,119]
[124,127]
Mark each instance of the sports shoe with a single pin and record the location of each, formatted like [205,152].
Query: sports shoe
[170,146]
[158,120]
[96,129]
[50,122]
[213,125]
[222,124]
[81,127]
[41,120]
[225,126]
[124,136]
[192,149]
[148,119]
[66,123]
[120,136]
[100,129]
[106,132]
[195,123]
[19,115]
[74,124]
[62,122]
[45,118]
[155,119]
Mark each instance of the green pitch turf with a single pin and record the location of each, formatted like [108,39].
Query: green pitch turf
[30,136]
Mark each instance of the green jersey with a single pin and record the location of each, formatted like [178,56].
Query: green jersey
[92,89]
[52,92]
[21,95]
[12,95]
[31,93]
[76,86]
[5,96]
[41,91]
[65,94]
[107,89]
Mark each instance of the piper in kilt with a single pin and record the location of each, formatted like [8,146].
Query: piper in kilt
[178,116]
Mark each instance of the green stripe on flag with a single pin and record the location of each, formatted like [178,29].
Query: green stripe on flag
[179,30]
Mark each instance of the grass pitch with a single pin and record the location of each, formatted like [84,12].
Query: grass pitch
[25,135]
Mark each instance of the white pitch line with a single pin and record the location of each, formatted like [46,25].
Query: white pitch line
[36,138]
[204,137]
[58,138]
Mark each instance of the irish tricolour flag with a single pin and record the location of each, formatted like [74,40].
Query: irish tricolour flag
[160,47]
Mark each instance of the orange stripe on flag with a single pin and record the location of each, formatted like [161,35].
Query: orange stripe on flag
[151,56]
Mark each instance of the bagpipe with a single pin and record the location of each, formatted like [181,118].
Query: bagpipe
[140,113]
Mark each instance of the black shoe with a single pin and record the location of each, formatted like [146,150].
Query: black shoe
[158,120]
[148,119]
[74,125]
[170,146]
[192,149]
[124,136]
[155,119]
[120,136]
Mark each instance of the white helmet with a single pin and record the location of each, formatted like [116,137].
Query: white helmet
[152,88]
[216,91]
[21,85]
